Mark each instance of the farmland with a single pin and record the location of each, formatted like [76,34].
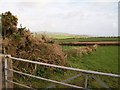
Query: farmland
[104,59]
[61,38]
[90,39]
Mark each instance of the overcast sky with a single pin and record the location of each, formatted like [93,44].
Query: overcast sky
[84,17]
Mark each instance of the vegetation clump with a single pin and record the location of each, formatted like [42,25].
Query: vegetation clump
[20,43]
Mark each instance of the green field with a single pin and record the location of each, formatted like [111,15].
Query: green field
[61,38]
[99,60]
[87,39]
[105,59]
[58,36]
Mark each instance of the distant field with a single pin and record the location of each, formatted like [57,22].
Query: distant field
[63,36]
[90,39]
[58,35]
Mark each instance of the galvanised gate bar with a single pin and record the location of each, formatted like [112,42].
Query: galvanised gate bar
[8,74]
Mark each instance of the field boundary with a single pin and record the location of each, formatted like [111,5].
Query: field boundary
[85,73]
[90,43]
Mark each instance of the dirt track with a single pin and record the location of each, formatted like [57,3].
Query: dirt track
[92,43]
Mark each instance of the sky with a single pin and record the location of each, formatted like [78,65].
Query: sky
[83,17]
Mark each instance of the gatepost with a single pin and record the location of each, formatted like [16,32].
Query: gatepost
[1,67]
[8,75]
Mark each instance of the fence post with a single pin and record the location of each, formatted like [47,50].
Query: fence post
[86,81]
[1,78]
[8,74]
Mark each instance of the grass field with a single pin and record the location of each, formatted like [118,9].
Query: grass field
[57,36]
[99,60]
[61,38]
[87,39]
[105,59]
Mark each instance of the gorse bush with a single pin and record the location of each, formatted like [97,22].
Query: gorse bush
[19,42]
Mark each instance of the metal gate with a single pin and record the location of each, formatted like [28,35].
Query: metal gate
[86,74]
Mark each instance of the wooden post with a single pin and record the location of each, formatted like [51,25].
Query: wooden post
[1,79]
[8,74]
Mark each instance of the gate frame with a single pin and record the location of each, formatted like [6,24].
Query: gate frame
[8,73]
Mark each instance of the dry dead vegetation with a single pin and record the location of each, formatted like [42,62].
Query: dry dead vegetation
[19,42]
[81,51]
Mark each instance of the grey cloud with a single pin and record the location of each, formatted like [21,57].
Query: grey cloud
[90,18]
